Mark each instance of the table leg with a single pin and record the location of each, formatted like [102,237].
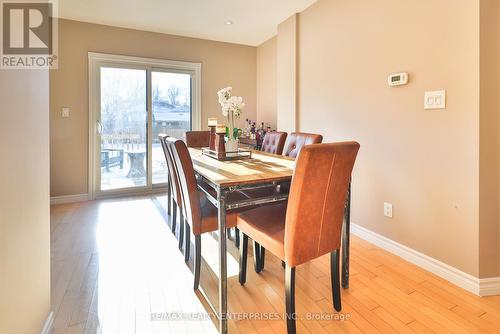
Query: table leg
[222,262]
[346,236]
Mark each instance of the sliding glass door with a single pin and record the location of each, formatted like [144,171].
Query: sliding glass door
[171,106]
[125,155]
[123,128]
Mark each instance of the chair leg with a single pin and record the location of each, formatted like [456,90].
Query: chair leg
[172,201]
[335,277]
[243,258]
[283,264]
[290,299]
[237,237]
[256,257]
[197,260]
[187,244]
[169,197]
[174,217]
[262,258]
[181,229]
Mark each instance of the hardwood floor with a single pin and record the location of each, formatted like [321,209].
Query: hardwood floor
[115,263]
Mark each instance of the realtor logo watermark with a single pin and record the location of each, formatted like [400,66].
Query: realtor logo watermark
[29,34]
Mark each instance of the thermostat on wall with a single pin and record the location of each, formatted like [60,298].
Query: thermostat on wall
[398,79]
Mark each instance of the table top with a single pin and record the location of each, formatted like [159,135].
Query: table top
[262,167]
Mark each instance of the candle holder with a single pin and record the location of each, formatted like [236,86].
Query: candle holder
[212,137]
[212,122]
[220,143]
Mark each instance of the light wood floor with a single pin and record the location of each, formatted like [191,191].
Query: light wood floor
[115,262]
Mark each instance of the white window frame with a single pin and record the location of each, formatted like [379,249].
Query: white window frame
[95,61]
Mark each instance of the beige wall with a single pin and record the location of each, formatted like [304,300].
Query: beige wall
[266,82]
[424,162]
[489,228]
[24,201]
[287,74]
[223,64]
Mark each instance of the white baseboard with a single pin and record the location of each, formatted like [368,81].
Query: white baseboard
[489,286]
[480,287]
[48,326]
[69,199]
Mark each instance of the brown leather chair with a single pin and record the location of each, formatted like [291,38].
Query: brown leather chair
[310,224]
[293,144]
[198,139]
[176,190]
[200,213]
[273,142]
[296,140]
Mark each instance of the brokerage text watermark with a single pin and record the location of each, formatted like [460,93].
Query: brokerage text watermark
[186,316]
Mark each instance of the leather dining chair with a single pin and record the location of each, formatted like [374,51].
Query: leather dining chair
[296,140]
[198,139]
[176,191]
[199,212]
[273,142]
[310,224]
[294,143]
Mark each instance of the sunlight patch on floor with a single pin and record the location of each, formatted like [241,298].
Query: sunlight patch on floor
[141,271]
[210,253]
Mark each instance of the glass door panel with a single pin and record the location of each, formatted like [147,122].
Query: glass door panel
[171,106]
[123,128]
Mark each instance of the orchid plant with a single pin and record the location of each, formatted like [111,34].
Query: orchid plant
[232,108]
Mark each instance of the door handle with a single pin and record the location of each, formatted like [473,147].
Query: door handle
[99,127]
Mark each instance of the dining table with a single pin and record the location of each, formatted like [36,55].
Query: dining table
[259,171]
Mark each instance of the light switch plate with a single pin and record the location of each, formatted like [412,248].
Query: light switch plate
[65,112]
[435,100]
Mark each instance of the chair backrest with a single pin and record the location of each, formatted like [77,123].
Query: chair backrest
[273,142]
[317,199]
[172,170]
[296,140]
[197,139]
[188,184]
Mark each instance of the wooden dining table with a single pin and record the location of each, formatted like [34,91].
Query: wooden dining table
[262,170]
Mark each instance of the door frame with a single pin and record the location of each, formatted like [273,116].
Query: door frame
[95,61]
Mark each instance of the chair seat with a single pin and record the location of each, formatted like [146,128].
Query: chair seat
[209,219]
[266,225]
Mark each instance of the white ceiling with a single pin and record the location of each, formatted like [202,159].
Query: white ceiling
[254,20]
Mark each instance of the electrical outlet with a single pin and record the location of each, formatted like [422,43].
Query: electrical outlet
[435,100]
[388,210]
